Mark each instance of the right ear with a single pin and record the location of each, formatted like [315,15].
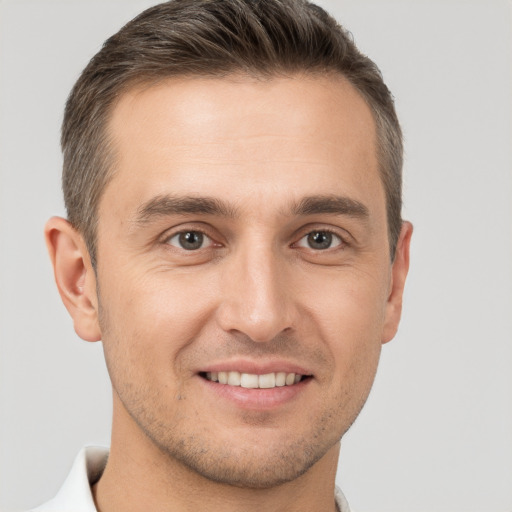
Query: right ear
[74,275]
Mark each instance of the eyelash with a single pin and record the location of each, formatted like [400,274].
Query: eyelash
[187,232]
[341,242]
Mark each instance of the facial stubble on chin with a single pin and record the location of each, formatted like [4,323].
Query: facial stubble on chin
[253,465]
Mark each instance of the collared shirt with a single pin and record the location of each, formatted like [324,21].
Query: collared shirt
[76,495]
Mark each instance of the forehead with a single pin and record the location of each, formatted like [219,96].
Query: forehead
[228,136]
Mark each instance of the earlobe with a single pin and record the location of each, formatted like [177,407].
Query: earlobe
[74,276]
[399,271]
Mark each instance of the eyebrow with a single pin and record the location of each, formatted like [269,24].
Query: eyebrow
[331,204]
[167,205]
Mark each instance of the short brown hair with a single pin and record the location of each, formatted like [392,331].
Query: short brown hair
[214,38]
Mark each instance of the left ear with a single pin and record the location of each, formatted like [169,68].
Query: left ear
[399,270]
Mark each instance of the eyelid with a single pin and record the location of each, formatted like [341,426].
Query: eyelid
[207,241]
[339,233]
[341,241]
[186,228]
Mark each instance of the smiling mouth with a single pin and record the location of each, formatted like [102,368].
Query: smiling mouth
[254,381]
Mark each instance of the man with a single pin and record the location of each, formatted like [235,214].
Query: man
[232,175]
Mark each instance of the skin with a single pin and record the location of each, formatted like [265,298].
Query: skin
[256,294]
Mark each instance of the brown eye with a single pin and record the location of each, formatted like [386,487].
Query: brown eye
[190,240]
[320,240]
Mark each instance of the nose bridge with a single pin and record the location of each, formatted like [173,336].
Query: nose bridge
[255,299]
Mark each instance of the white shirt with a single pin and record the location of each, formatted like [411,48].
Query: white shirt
[75,494]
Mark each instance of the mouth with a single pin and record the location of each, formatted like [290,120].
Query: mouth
[254,381]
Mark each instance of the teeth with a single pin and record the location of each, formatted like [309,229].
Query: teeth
[234,378]
[267,381]
[290,379]
[280,379]
[248,380]
[253,381]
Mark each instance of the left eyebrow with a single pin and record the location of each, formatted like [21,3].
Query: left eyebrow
[331,204]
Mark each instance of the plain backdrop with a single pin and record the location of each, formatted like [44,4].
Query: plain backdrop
[436,433]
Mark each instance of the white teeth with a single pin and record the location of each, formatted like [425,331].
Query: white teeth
[267,381]
[253,381]
[290,379]
[280,379]
[249,380]
[234,378]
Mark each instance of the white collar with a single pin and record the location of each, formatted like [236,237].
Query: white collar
[75,493]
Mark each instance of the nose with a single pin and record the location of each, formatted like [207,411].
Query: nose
[256,298]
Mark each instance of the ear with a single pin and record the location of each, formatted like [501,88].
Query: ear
[399,270]
[74,276]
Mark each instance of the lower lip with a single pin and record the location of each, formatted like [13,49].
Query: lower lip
[257,399]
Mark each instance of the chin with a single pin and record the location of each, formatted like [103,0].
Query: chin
[258,463]
[250,470]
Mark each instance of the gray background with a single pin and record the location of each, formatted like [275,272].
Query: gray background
[436,434]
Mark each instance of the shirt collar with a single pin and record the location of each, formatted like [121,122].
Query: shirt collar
[75,493]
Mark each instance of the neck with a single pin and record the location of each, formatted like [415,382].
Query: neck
[140,477]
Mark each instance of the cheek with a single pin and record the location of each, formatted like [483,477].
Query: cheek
[349,312]
[151,318]
[349,304]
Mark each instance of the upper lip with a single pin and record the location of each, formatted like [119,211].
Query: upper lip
[255,367]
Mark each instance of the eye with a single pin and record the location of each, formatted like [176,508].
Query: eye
[320,240]
[190,240]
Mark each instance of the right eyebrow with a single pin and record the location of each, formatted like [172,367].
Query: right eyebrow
[166,205]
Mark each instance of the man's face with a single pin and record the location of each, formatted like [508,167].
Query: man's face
[244,232]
